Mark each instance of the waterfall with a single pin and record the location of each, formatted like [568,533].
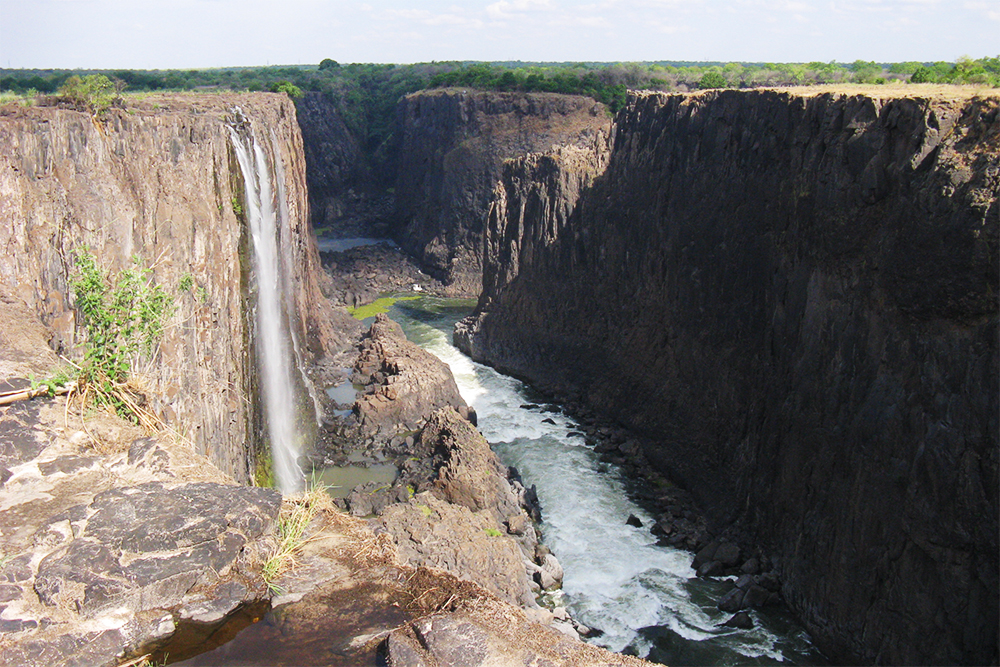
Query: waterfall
[266,216]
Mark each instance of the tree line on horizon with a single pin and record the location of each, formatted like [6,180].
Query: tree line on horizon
[603,81]
[366,94]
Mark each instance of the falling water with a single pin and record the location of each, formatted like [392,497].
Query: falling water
[266,216]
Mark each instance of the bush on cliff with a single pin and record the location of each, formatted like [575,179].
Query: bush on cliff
[286,87]
[712,79]
[124,316]
[95,92]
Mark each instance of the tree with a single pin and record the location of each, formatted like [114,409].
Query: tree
[326,64]
[865,71]
[712,79]
[286,87]
[95,92]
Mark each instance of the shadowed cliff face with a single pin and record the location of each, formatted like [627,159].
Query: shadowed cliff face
[159,181]
[795,300]
[452,148]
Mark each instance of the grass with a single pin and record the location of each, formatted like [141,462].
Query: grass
[493,532]
[381,305]
[296,514]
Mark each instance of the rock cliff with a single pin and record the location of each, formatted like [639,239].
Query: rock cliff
[793,299]
[452,147]
[159,181]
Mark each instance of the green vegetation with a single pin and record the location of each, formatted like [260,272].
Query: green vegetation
[377,306]
[124,316]
[286,87]
[186,283]
[425,510]
[713,79]
[366,94]
[296,515]
[263,471]
[237,206]
[94,92]
[60,379]
[493,532]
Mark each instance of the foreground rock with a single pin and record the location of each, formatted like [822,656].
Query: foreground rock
[106,554]
[467,516]
[352,602]
[455,507]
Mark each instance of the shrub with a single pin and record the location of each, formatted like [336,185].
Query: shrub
[124,317]
[286,87]
[95,92]
[712,79]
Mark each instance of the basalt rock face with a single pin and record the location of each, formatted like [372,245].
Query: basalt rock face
[160,181]
[452,148]
[344,192]
[795,299]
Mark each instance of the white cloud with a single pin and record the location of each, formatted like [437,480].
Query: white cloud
[505,9]
[428,18]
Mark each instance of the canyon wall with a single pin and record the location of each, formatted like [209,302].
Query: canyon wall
[159,181]
[347,187]
[452,146]
[794,299]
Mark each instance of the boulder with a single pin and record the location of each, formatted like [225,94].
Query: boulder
[550,574]
[728,554]
[756,597]
[732,601]
[711,569]
[403,383]
[740,620]
[705,554]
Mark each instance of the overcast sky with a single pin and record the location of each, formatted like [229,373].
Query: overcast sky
[142,34]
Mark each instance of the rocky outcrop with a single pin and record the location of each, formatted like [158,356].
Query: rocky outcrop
[159,181]
[453,506]
[105,554]
[403,383]
[792,299]
[452,148]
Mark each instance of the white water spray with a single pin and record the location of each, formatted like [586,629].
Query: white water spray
[616,576]
[266,216]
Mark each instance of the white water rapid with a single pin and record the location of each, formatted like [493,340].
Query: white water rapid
[644,597]
[265,214]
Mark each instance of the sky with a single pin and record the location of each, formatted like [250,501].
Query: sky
[183,34]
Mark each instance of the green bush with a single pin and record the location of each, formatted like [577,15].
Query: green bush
[712,79]
[96,92]
[124,316]
[286,87]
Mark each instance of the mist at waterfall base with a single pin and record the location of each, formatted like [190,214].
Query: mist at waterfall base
[266,213]
[644,597]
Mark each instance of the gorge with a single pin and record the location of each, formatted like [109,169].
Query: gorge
[793,299]
[787,299]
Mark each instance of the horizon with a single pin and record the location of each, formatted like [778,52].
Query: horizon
[513,63]
[221,34]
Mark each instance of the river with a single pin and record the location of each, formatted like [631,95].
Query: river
[644,597]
